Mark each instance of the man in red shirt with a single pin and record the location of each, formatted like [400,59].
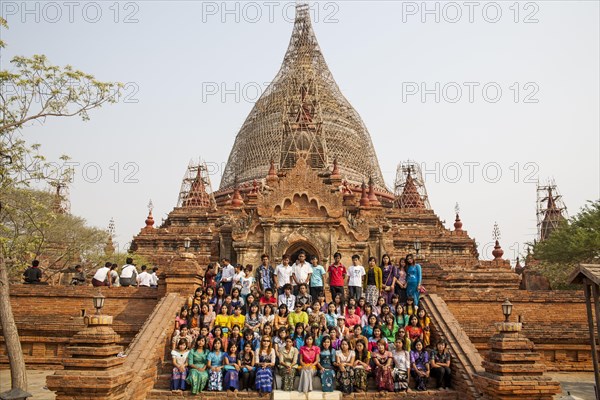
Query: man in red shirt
[352,318]
[337,274]
[268,298]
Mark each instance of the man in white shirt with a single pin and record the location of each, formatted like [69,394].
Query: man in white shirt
[100,277]
[287,297]
[355,278]
[144,278]
[239,275]
[227,275]
[154,277]
[283,273]
[128,274]
[302,272]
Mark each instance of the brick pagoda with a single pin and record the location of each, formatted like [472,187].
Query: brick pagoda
[303,175]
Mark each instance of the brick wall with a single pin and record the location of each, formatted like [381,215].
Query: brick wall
[556,321]
[48,316]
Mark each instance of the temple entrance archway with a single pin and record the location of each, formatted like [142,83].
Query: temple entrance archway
[308,248]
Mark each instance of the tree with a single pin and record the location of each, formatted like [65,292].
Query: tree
[573,242]
[29,93]
[31,227]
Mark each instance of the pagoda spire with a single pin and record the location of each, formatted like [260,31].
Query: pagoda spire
[109,248]
[372,197]
[150,219]
[410,197]
[335,173]
[272,177]
[196,189]
[272,171]
[457,222]
[552,217]
[497,252]
[197,197]
[518,267]
[237,200]
[364,198]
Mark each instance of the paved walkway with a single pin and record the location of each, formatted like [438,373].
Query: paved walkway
[579,384]
[36,381]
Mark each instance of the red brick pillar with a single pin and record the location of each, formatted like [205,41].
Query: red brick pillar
[183,276]
[512,368]
[92,370]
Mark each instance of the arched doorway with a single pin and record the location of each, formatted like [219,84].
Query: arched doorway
[308,248]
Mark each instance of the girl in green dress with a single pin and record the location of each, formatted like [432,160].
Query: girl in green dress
[198,375]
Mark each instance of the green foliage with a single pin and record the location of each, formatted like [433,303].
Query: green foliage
[30,228]
[4,25]
[556,273]
[36,89]
[577,241]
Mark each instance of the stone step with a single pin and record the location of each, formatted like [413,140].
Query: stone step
[163,381]
[163,394]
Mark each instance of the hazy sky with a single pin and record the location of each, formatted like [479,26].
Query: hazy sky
[488,96]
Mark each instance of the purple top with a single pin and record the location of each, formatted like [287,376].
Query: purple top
[388,270]
[419,359]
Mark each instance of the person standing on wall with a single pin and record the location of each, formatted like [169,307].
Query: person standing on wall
[337,275]
[389,277]
[227,276]
[355,280]
[317,278]
[265,275]
[372,282]
[301,273]
[413,279]
[283,274]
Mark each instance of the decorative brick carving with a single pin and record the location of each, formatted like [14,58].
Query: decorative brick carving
[513,369]
[92,370]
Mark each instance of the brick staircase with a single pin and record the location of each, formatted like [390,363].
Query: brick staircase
[146,355]
[466,360]
[161,391]
[466,363]
[484,275]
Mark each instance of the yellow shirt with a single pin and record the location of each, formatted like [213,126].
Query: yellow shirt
[222,320]
[294,318]
[239,321]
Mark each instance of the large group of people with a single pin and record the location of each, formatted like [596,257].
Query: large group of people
[246,325]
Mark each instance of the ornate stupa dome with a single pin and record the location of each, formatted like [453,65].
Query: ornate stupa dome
[302,112]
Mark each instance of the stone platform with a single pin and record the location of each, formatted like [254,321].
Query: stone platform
[161,394]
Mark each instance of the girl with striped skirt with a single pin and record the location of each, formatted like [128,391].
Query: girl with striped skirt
[265,361]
